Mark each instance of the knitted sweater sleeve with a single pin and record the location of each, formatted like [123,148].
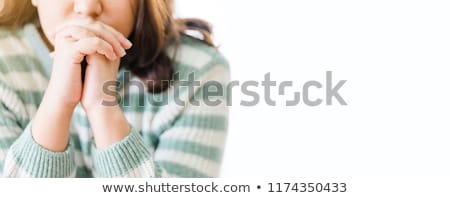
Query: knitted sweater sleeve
[189,146]
[22,83]
[20,155]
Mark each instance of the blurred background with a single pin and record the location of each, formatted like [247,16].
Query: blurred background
[395,57]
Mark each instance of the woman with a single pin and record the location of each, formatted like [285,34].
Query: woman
[60,115]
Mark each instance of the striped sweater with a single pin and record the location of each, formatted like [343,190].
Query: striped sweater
[167,139]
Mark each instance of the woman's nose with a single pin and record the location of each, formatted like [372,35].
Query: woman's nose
[88,8]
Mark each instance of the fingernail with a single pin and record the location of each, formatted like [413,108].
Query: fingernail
[123,52]
[128,42]
[113,56]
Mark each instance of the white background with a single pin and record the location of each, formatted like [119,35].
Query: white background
[395,57]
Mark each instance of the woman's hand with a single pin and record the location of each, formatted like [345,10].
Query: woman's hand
[99,71]
[101,45]
[73,42]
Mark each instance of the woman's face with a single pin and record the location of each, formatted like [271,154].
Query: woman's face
[119,14]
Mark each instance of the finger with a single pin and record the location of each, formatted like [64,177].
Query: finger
[91,46]
[123,40]
[80,32]
[109,35]
[75,32]
[77,22]
[98,27]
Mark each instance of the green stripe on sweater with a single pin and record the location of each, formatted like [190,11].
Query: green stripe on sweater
[213,122]
[207,152]
[20,63]
[181,170]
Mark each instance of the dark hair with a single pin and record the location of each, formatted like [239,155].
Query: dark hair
[154,30]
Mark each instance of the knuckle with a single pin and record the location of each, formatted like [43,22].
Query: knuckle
[96,42]
[97,26]
[84,32]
